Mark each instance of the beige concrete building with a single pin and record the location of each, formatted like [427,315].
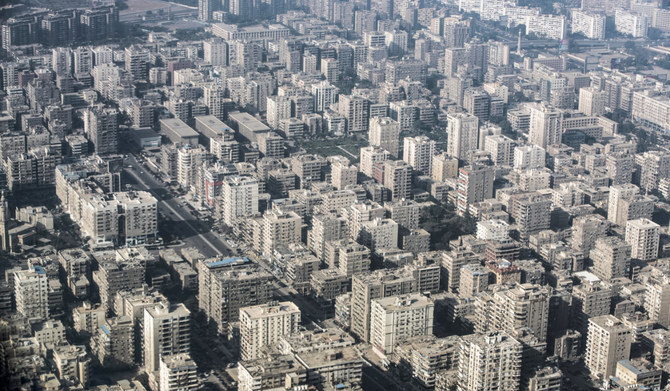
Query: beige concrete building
[31,293]
[643,236]
[178,372]
[343,174]
[226,285]
[418,152]
[280,229]
[444,167]
[239,199]
[489,362]
[118,270]
[657,300]
[545,125]
[397,179]
[608,341]
[370,156]
[375,285]
[474,280]
[625,203]
[114,343]
[379,234]
[384,133]
[326,228]
[167,331]
[611,258]
[475,184]
[262,326]
[592,101]
[72,362]
[462,130]
[396,319]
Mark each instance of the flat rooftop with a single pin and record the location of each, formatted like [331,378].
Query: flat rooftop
[179,127]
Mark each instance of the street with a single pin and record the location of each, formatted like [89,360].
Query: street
[183,222]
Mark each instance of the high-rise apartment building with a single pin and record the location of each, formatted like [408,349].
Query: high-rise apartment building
[384,132]
[278,108]
[31,293]
[591,101]
[475,184]
[418,152]
[215,99]
[263,325]
[545,126]
[528,157]
[280,229]
[657,300]
[178,372]
[370,156]
[356,110]
[137,62]
[611,258]
[343,174]
[167,331]
[325,94]
[643,237]
[375,285]
[462,131]
[489,362]
[501,149]
[444,166]
[226,285]
[399,318]
[114,343]
[532,213]
[608,341]
[592,25]
[215,50]
[397,179]
[102,128]
[477,102]
[239,199]
[121,270]
[625,203]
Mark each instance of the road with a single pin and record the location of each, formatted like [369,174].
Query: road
[207,242]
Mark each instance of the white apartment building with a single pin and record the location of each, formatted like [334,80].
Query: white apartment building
[325,94]
[592,25]
[545,125]
[178,372]
[643,236]
[549,26]
[462,130]
[418,152]
[608,341]
[528,157]
[384,132]
[591,101]
[630,23]
[31,292]
[262,326]
[280,229]
[492,230]
[239,199]
[489,362]
[371,155]
[397,318]
[278,108]
[501,149]
[167,331]
[444,166]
